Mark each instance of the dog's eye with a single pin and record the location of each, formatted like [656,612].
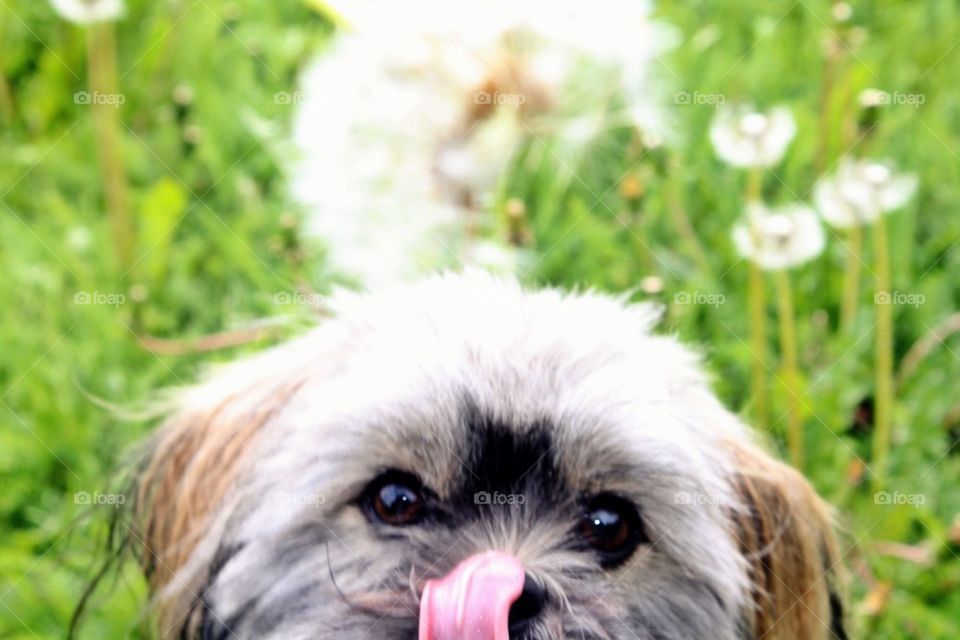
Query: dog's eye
[611,526]
[395,498]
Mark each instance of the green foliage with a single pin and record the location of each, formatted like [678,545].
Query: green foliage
[214,249]
[216,243]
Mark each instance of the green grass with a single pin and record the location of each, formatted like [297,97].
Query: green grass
[217,241]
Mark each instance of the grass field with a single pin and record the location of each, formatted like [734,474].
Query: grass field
[217,239]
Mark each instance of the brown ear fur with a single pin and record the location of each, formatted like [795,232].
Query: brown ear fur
[192,465]
[786,534]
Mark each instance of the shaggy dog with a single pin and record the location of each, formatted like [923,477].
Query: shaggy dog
[463,459]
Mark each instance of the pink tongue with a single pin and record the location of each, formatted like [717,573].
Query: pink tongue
[473,601]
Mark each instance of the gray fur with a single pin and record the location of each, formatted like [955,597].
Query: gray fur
[290,555]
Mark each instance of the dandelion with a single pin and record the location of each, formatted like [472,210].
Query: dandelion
[776,240]
[84,12]
[101,47]
[860,193]
[779,238]
[468,85]
[745,138]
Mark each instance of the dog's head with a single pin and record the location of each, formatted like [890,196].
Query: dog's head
[462,459]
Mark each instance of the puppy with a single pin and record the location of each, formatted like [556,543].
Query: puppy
[463,459]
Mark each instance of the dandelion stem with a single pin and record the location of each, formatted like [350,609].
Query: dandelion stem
[758,328]
[104,105]
[758,344]
[791,376]
[754,184]
[830,64]
[883,400]
[851,276]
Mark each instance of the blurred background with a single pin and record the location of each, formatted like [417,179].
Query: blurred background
[184,181]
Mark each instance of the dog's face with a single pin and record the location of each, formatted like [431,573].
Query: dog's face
[464,460]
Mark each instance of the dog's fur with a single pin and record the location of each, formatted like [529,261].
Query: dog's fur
[246,514]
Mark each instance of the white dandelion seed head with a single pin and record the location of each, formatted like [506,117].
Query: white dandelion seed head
[86,12]
[746,138]
[406,125]
[861,191]
[779,228]
[754,124]
[779,238]
[876,174]
[837,209]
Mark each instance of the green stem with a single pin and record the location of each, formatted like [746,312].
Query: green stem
[754,184]
[826,94]
[758,328]
[791,376]
[102,72]
[758,345]
[883,400]
[851,276]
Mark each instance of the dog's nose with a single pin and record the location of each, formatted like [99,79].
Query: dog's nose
[527,607]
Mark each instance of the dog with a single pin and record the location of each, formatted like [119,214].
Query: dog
[461,458]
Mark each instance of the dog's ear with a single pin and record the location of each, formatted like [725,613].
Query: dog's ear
[786,534]
[193,460]
[192,464]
